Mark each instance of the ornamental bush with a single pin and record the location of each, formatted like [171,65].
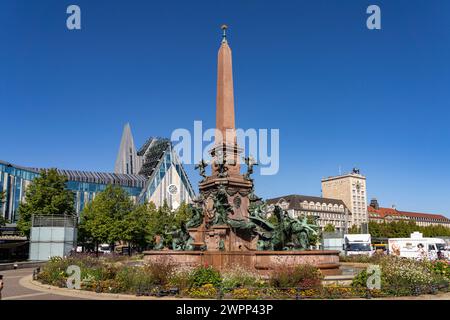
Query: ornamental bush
[401,276]
[375,258]
[160,270]
[238,277]
[442,268]
[405,276]
[304,276]
[180,278]
[205,291]
[133,280]
[205,275]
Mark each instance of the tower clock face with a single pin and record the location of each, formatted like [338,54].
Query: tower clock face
[172,189]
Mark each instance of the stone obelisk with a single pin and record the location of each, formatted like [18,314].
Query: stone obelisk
[225,139]
[225,182]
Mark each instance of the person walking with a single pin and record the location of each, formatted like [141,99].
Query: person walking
[1,285]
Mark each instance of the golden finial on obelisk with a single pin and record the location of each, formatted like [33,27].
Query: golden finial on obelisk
[224,28]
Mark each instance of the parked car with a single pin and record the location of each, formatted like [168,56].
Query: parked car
[122,249]
[104,248]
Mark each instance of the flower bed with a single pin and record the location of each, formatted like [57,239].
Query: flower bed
[160,278]
[404,277]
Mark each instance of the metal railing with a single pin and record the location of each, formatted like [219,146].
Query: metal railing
[294,293]
[66,221]
[286,293]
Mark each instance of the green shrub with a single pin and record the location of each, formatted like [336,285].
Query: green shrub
[161,271]
[204,291]
[375,258]
[360,280]
[54,272]
[441,268]
[304,276]
[180,279]
[401,276]
[205,275]
[239,277]
[134,279]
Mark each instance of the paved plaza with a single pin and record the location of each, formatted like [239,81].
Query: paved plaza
[15,290]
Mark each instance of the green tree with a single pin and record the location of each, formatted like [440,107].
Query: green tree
[397,229]
[46,195]
[161,220]
[329,228]
[106,219]
[182,214]
[353,230]
[314,239]
[3,221]
[137,222]
[375,229]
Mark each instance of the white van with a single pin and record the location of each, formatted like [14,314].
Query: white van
[415,247]
[443,248]
[358,244]
[104,248]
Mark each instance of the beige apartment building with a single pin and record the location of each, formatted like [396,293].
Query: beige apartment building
[327,211]
[380,215]
[351,189]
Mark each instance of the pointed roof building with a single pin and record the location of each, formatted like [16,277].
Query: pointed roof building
[127,161]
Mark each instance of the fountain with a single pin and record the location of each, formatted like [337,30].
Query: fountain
[230,224]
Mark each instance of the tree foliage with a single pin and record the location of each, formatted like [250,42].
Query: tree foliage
[314,239]
[403,229]
[112,217]
[137,224]
[3,221]
[46,195]
[329,228]
[105,219]
[2,197]
[354,229]
[163,218]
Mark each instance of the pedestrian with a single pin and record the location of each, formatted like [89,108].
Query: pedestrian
[1,285]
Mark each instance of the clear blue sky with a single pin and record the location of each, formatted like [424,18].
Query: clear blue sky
[340,94]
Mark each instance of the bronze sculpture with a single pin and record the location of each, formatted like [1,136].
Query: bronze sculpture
[250,162]
[201,167]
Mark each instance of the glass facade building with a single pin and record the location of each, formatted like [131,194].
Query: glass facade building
[167,172]
[13,182]
[166,181]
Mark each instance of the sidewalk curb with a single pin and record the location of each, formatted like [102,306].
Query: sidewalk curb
[21,265]
[29,283]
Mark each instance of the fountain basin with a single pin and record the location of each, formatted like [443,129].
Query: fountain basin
[261,261]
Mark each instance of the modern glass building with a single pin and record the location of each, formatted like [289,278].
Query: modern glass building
[13,181]
[157,177]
